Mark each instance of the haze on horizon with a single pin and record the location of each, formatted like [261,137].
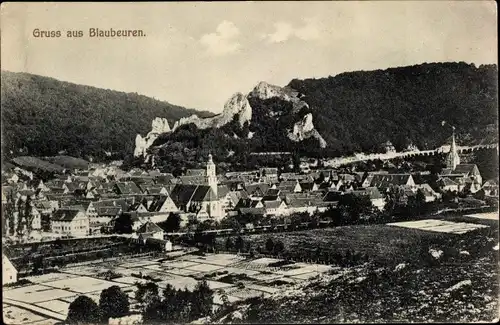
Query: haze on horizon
[198,54]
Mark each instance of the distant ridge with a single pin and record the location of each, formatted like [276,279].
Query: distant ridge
[43,116]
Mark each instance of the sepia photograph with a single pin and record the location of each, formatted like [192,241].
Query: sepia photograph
[249,162]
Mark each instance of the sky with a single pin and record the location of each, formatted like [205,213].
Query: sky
[198,55]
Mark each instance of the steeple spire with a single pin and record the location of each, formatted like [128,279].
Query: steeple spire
[452,159]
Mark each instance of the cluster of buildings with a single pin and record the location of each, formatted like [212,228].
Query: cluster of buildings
[85,202]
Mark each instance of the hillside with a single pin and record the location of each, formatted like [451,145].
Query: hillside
[348,113]
[358,111]
[43,116]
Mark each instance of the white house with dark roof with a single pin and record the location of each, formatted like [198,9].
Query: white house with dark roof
[150,230]
[73,222]
[9,271]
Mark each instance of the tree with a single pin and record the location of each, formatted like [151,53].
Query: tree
[239,243]
[83,310]
[279,247]
[28,215]
[113,303]
[229,243]
[146,291]
[202,300]
[269,245]
[172,224]
[123,224]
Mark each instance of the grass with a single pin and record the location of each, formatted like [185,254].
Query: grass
[379,243]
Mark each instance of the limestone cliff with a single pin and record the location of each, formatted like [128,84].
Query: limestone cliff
[239,107]
[304,129]
[236,105]
[158,126]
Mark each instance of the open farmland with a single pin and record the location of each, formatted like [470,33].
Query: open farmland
[237,276]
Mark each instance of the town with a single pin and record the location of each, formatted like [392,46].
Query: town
[77,219]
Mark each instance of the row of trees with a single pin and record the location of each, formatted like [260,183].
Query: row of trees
[172,305]
[113,303]
[168,306]
[17,216]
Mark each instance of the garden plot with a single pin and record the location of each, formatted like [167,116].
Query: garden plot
[221,259]
[137,264]
[214,285]
[155,267]
[439,226]
[50,277]
[129,280]
[267,276]
[305,276]
[234,270]
[84,284]
[488,216]
[265,261]
[178,264]
[204,268]
[16,315]
[266,289]
[246,293]
[36,293]
[57,306]
[182,272]
[179,282]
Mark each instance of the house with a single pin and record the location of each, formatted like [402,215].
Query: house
[275,208]
[162,203]
[309,186]
[126,188]
[71,222]
[446,184]
[429,194]
[150,230]
[490,187]
[305,202]
[290,186]
[9,271]
[376,198]
[138,208]
[471,175]
[231,199]
[256,190]
[268,174]
[385,181]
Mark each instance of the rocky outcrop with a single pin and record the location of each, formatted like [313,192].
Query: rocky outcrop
[304,129]
[237,105]
[158,126]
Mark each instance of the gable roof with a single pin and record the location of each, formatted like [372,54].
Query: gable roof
[127,188]
[66,214]
[273,204]
[182,193]
[372,192]
[385,180]
[195,172]
[465,168]
[148,228]
[157,203]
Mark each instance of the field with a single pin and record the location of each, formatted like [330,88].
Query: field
[398,273]
[236,276]
[379,244]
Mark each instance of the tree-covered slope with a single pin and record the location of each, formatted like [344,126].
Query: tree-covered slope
[358,111]
[43,116]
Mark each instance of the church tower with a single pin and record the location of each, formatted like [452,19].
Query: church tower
[211,177]
[452,159]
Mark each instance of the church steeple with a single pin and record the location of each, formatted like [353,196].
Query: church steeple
[452,159]
[211,177]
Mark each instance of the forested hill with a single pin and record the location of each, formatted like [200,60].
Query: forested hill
[357,111]
[43,116]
